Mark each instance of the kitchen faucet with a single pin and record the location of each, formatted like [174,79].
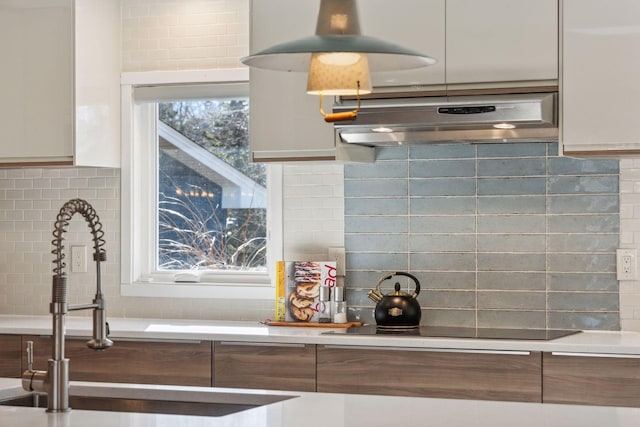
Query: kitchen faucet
[55,381]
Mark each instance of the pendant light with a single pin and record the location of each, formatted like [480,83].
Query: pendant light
[338,58]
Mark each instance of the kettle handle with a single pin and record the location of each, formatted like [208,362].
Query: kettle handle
[401,273]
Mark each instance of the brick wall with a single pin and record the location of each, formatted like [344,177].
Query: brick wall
[171,35]
[313,210]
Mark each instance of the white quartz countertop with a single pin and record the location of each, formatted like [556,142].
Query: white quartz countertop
[335,410]
[605,342]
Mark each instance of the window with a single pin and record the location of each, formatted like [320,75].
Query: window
[199,218]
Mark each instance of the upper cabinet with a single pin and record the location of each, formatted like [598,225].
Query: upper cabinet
[509,42]
[599,82]
[415,24]
[478,44]
[60,85]
[286,124]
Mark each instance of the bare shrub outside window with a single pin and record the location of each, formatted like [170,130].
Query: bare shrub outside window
[211,197]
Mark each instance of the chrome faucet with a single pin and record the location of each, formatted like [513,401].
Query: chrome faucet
[55,381]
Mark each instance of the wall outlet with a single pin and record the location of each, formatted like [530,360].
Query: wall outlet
[627,264]
[338,255]
[78,259]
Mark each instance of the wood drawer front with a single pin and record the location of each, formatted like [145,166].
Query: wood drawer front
[613,381]
[402,372]
[145,362]
[10,349]
[265,366]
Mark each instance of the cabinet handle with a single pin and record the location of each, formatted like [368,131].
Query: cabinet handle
[159,340]
[607,355]
[138,340]
[434,350]
[261,344]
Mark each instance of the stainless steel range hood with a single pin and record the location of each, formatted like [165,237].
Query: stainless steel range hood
[427,120]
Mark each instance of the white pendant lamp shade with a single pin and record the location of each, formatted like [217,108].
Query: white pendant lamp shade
[349,77]
[337,31]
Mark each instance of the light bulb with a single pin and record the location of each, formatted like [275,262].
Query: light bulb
[339,58]
[504,126]
[339,22]
[382,130]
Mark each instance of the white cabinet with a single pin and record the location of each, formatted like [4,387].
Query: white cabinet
[415,24]
[60,82]
[286,124]
[478,43]
[504,41]
[599,83]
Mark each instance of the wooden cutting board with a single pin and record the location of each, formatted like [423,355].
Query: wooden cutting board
[314,324]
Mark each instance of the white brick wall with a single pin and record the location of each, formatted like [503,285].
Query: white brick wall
[313,208]
[171,35]
[31,198]
[630,238]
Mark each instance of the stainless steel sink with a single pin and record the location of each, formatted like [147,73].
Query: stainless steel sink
[201,404]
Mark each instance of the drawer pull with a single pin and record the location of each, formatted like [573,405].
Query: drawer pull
[604,355]
[261,344]
[159,340]
[434,350]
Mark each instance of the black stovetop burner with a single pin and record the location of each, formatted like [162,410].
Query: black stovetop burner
[461,332]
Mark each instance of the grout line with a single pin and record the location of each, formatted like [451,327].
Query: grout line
[547,239]
[476,237]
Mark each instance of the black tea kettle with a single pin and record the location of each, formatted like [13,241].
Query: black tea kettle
[396,310]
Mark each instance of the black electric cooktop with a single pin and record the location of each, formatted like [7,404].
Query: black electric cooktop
[455,332]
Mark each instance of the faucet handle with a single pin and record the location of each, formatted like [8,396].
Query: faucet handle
[30,356]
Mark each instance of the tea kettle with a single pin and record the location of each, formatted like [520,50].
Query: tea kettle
[396,309]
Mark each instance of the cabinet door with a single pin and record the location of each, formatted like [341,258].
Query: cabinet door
[600,69]
[501,40]
[97,83]
[36,82]
[590,380]
[60,83]
[513,376]
[145,362]
[10,348]
[286,124]
[265,366]
[415,24]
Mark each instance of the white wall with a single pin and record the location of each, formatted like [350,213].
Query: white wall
[630,238]
[184,35]
[31,198]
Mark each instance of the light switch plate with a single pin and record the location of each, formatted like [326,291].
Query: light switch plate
[78,259]
[338,255]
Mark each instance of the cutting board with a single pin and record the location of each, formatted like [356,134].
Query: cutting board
[314,324]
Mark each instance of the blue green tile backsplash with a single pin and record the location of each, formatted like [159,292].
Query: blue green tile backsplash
[499,235]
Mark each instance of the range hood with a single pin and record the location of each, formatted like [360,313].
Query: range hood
[428,120]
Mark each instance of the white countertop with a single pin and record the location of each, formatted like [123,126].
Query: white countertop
[335,410]
[606,342]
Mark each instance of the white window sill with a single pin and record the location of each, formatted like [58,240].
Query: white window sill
[197,290]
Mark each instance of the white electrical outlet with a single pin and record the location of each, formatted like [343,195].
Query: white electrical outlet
[338,255]
[627,264]
[78,259]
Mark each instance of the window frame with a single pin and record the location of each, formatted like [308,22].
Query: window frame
[139,276]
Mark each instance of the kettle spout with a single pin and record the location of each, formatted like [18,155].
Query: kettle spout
[375,295]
